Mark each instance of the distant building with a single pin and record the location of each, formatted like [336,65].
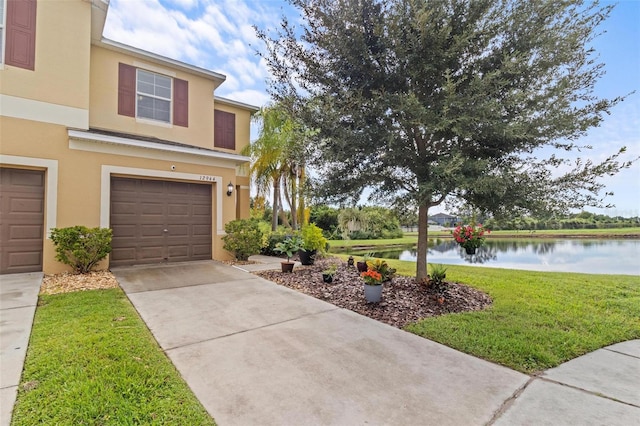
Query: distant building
[444,219]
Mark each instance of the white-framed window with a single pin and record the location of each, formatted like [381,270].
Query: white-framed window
[153,94]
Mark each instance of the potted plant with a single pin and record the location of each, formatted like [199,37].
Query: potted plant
[381,267]
[312,242]
[372,286]
[362,264]
[289,246]
[469,237]
[327,274]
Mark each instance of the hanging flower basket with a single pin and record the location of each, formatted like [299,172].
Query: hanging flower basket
[470,237]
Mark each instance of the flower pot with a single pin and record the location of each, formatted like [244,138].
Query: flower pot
[307,257]
[373,293]
[327,278]
[287,266]
[362,266]
[470,250]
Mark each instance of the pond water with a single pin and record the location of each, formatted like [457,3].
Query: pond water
[592,256]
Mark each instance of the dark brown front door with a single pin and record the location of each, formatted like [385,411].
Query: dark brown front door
[156,221]
[21,220]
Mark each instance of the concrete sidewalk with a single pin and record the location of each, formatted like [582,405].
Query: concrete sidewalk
[18,300]
[254,352]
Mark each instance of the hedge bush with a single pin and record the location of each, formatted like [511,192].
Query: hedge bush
[81,247]
[243,239]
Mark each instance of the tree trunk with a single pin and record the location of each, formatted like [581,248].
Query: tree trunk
[276,208]
[302,216]
[421,261]
[294,201]
[283,214]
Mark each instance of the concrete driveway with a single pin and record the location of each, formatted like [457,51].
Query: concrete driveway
[255,353]
[258,353]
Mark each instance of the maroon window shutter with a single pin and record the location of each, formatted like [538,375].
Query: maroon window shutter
[180,102]
[21,34]
[224,130]
[126,90]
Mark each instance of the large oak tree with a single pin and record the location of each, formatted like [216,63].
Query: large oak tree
[425,100]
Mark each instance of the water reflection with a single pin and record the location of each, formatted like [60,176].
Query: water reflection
[597,256]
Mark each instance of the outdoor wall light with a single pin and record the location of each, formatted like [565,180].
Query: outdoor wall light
[229,189]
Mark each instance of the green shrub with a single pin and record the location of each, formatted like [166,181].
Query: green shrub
[312,238]
[243,238]
[436,280]
[273,238]
[81,247]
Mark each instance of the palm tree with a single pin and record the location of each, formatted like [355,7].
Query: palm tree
[269,155]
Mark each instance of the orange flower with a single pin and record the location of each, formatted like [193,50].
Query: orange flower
[372,277]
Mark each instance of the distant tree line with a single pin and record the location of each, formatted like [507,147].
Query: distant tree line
[583,220]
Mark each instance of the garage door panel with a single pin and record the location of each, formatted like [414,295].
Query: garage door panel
[179,251]
[25,259]
[153,207]
[123,254]
[201,210]
[201,230]
[155,254]
[203,250]
[27,205]
[121,208]
[125,230]
[179,210]
[25,232]
[178,231]
[152,230]
[21,220]
[25,179]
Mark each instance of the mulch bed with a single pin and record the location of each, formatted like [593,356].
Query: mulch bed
[66,282]
[403,300]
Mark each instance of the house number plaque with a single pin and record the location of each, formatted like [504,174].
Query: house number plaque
[207,178]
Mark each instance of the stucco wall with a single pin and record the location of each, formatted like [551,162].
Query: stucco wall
[61,75]
[80,178]
[103,113]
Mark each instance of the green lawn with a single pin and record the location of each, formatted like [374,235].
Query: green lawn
[92,361]
[412,237]
[538,319]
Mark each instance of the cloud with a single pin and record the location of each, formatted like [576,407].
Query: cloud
[251,97]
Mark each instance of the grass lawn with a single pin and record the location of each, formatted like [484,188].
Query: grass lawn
[538,319]
[92,361]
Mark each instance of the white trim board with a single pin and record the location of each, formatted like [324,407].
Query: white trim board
[87,141]
[51,177]
[28,109]
[105,188]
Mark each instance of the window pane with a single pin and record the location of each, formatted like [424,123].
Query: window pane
[145,88]
[162,110]
[145,76]
[163,92]
[145,107]
[154,109]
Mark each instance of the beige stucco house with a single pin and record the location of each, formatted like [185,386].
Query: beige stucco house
[97,133]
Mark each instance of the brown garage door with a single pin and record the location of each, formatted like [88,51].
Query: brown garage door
[157,221]
[21,220]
